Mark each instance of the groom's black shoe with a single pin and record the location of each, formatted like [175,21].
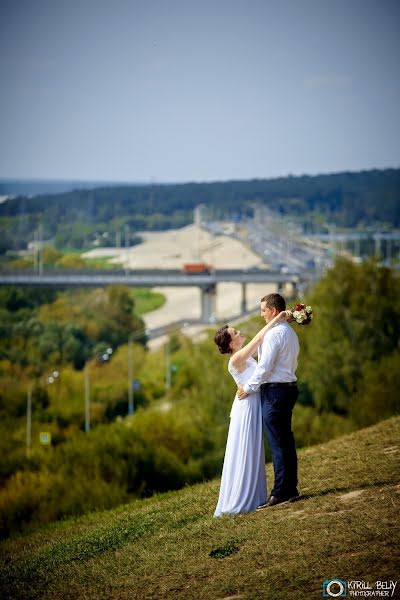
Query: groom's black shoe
[272,501]
[275,500]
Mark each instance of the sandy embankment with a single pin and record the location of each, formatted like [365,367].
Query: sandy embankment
[170,250]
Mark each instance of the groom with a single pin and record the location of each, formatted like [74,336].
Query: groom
[276,379]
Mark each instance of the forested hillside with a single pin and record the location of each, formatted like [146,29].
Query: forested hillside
[347,199]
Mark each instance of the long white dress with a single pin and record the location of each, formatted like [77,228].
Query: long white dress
[243,481]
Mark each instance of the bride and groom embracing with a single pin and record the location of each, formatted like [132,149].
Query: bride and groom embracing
[267,392]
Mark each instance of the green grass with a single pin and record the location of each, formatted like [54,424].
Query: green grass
[101,262]
[345,526]
[146,300]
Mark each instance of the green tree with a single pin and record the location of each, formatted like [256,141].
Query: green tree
[50,255]
[71,261]
[356,320]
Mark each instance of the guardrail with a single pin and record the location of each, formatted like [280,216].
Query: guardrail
[147,278]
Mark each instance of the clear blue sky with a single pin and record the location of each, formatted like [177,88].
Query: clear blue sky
[171,90]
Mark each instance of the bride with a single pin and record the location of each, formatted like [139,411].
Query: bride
[243,482]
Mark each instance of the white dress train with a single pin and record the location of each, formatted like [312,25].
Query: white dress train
[243,481]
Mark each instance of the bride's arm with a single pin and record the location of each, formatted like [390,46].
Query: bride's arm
[242,355]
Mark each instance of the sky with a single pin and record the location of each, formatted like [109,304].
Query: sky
[182,90]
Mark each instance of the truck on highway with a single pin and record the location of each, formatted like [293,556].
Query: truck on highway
[197,268]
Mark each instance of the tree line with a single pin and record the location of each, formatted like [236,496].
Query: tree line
[74,218]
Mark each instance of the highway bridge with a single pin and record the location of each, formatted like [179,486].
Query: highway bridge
[206,282]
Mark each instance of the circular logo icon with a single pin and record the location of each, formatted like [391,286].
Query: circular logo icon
[334,583]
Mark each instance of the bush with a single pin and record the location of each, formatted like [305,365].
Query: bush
[378,397]
[22,501]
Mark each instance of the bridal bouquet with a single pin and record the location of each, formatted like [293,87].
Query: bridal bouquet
[302,314]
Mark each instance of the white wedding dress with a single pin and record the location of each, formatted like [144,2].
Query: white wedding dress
[243,481]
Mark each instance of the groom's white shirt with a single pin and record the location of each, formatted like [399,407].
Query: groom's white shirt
[277,358]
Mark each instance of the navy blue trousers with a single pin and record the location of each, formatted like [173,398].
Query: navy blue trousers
[277,406]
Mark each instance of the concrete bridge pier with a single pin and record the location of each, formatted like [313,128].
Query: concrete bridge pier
[243,304]
[388,250]
[357,246]
[378,246]
[209,303]
[293,291]
[288,289]
[280,288]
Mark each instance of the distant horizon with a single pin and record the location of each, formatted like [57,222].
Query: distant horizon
[154,181]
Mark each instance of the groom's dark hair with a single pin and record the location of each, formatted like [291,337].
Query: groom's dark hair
[275,301]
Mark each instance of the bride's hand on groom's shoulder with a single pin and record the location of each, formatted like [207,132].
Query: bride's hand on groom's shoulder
[285,315]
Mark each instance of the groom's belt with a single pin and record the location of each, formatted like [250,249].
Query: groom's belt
[281,384]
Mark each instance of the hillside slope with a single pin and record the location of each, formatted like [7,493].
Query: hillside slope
[345,526]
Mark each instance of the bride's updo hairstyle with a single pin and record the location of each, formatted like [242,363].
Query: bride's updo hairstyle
[223,339]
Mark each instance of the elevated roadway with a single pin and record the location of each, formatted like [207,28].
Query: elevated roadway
[206,282]
[145,278]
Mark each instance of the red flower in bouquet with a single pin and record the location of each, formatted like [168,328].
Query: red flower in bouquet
[302,314]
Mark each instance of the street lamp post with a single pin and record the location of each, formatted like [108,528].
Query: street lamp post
[40,249]
[50,379]
[127,244]
[87,399]
[53,377]
[130,376]
[168,365]
[168,369]
[131,383]
[28,421]
[104,357]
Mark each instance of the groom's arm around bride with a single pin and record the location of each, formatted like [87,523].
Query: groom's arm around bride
[275,376]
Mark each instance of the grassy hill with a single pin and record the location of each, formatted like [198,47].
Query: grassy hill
[345,526]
